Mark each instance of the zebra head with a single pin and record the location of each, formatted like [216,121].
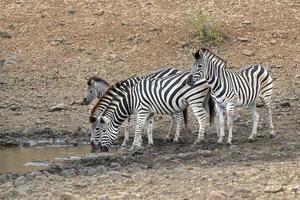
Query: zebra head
[91,92]
[96,88]
[197,71]
[99,137]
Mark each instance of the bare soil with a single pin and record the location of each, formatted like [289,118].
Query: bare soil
[47,48]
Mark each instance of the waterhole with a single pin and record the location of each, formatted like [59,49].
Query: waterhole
[25,159]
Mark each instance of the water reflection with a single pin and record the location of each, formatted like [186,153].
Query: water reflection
[24,159]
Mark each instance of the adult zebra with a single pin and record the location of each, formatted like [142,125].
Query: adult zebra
[97,85]
[231,88]
[168,95]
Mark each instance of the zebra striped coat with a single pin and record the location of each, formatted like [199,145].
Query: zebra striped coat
[168,95]
[124,86]
[231,88]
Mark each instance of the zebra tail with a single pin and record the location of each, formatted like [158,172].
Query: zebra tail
[209,106]
[185,116]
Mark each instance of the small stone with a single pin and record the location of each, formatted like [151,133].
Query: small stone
[58,107]
[100,13]
[5,34]
[71,12]
[243,39]
[69,196]
[103,197]
[273,41]
[246,22]
[247,52]
[273,188]
[285,104]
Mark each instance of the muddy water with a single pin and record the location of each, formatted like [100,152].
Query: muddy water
[24,159]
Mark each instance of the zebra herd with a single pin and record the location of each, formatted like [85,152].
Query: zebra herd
[168,91]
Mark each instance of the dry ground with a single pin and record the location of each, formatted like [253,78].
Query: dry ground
[48,47]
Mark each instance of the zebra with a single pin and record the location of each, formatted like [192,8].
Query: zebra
[96,87]
[99,107]
[167,95]
[232,88]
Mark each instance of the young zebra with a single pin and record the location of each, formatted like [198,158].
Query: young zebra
[168,95]
[96,88]
[99,107]
[233,88]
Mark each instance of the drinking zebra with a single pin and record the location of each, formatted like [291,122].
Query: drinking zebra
[168,95]
[128,84]
[231,88]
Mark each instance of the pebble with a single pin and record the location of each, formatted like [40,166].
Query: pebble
[5,34]
[58,107]
[248,52]
[103,197]
[273,41]
[69,196]
[246,22]
[243,39]
[273,188]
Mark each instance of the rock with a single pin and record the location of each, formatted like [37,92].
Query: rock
[103,197]
[5,34]
[69,196]
[273,188]
[100,13]
[246,22]
[273,41]
[243,39]
[72,12]
[58,107]
[248,52]
[285,104]
[11,59]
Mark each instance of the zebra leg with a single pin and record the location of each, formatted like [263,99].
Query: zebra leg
[201,117]
[140,124]
[220,111]
[126,133]
[255,118]
[230,117]
[150,129]
[179,118]
[266,102]
[168,137]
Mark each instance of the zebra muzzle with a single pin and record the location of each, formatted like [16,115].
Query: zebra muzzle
[189,80]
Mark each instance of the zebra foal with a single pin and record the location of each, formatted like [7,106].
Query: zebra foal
[230,88]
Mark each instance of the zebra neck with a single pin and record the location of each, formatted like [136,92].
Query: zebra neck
[216,76]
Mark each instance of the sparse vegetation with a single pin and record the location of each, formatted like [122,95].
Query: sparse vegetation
[207,29]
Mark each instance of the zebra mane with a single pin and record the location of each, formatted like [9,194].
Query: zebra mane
[113,88]
[212,54]
[97,79]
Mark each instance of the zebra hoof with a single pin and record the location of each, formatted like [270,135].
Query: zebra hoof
[251,139]
[167,140]
[229,143]
[176,140]
[273,135]
[220,142]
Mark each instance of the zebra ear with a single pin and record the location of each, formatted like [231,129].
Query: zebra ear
[106,119]
[197,55]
